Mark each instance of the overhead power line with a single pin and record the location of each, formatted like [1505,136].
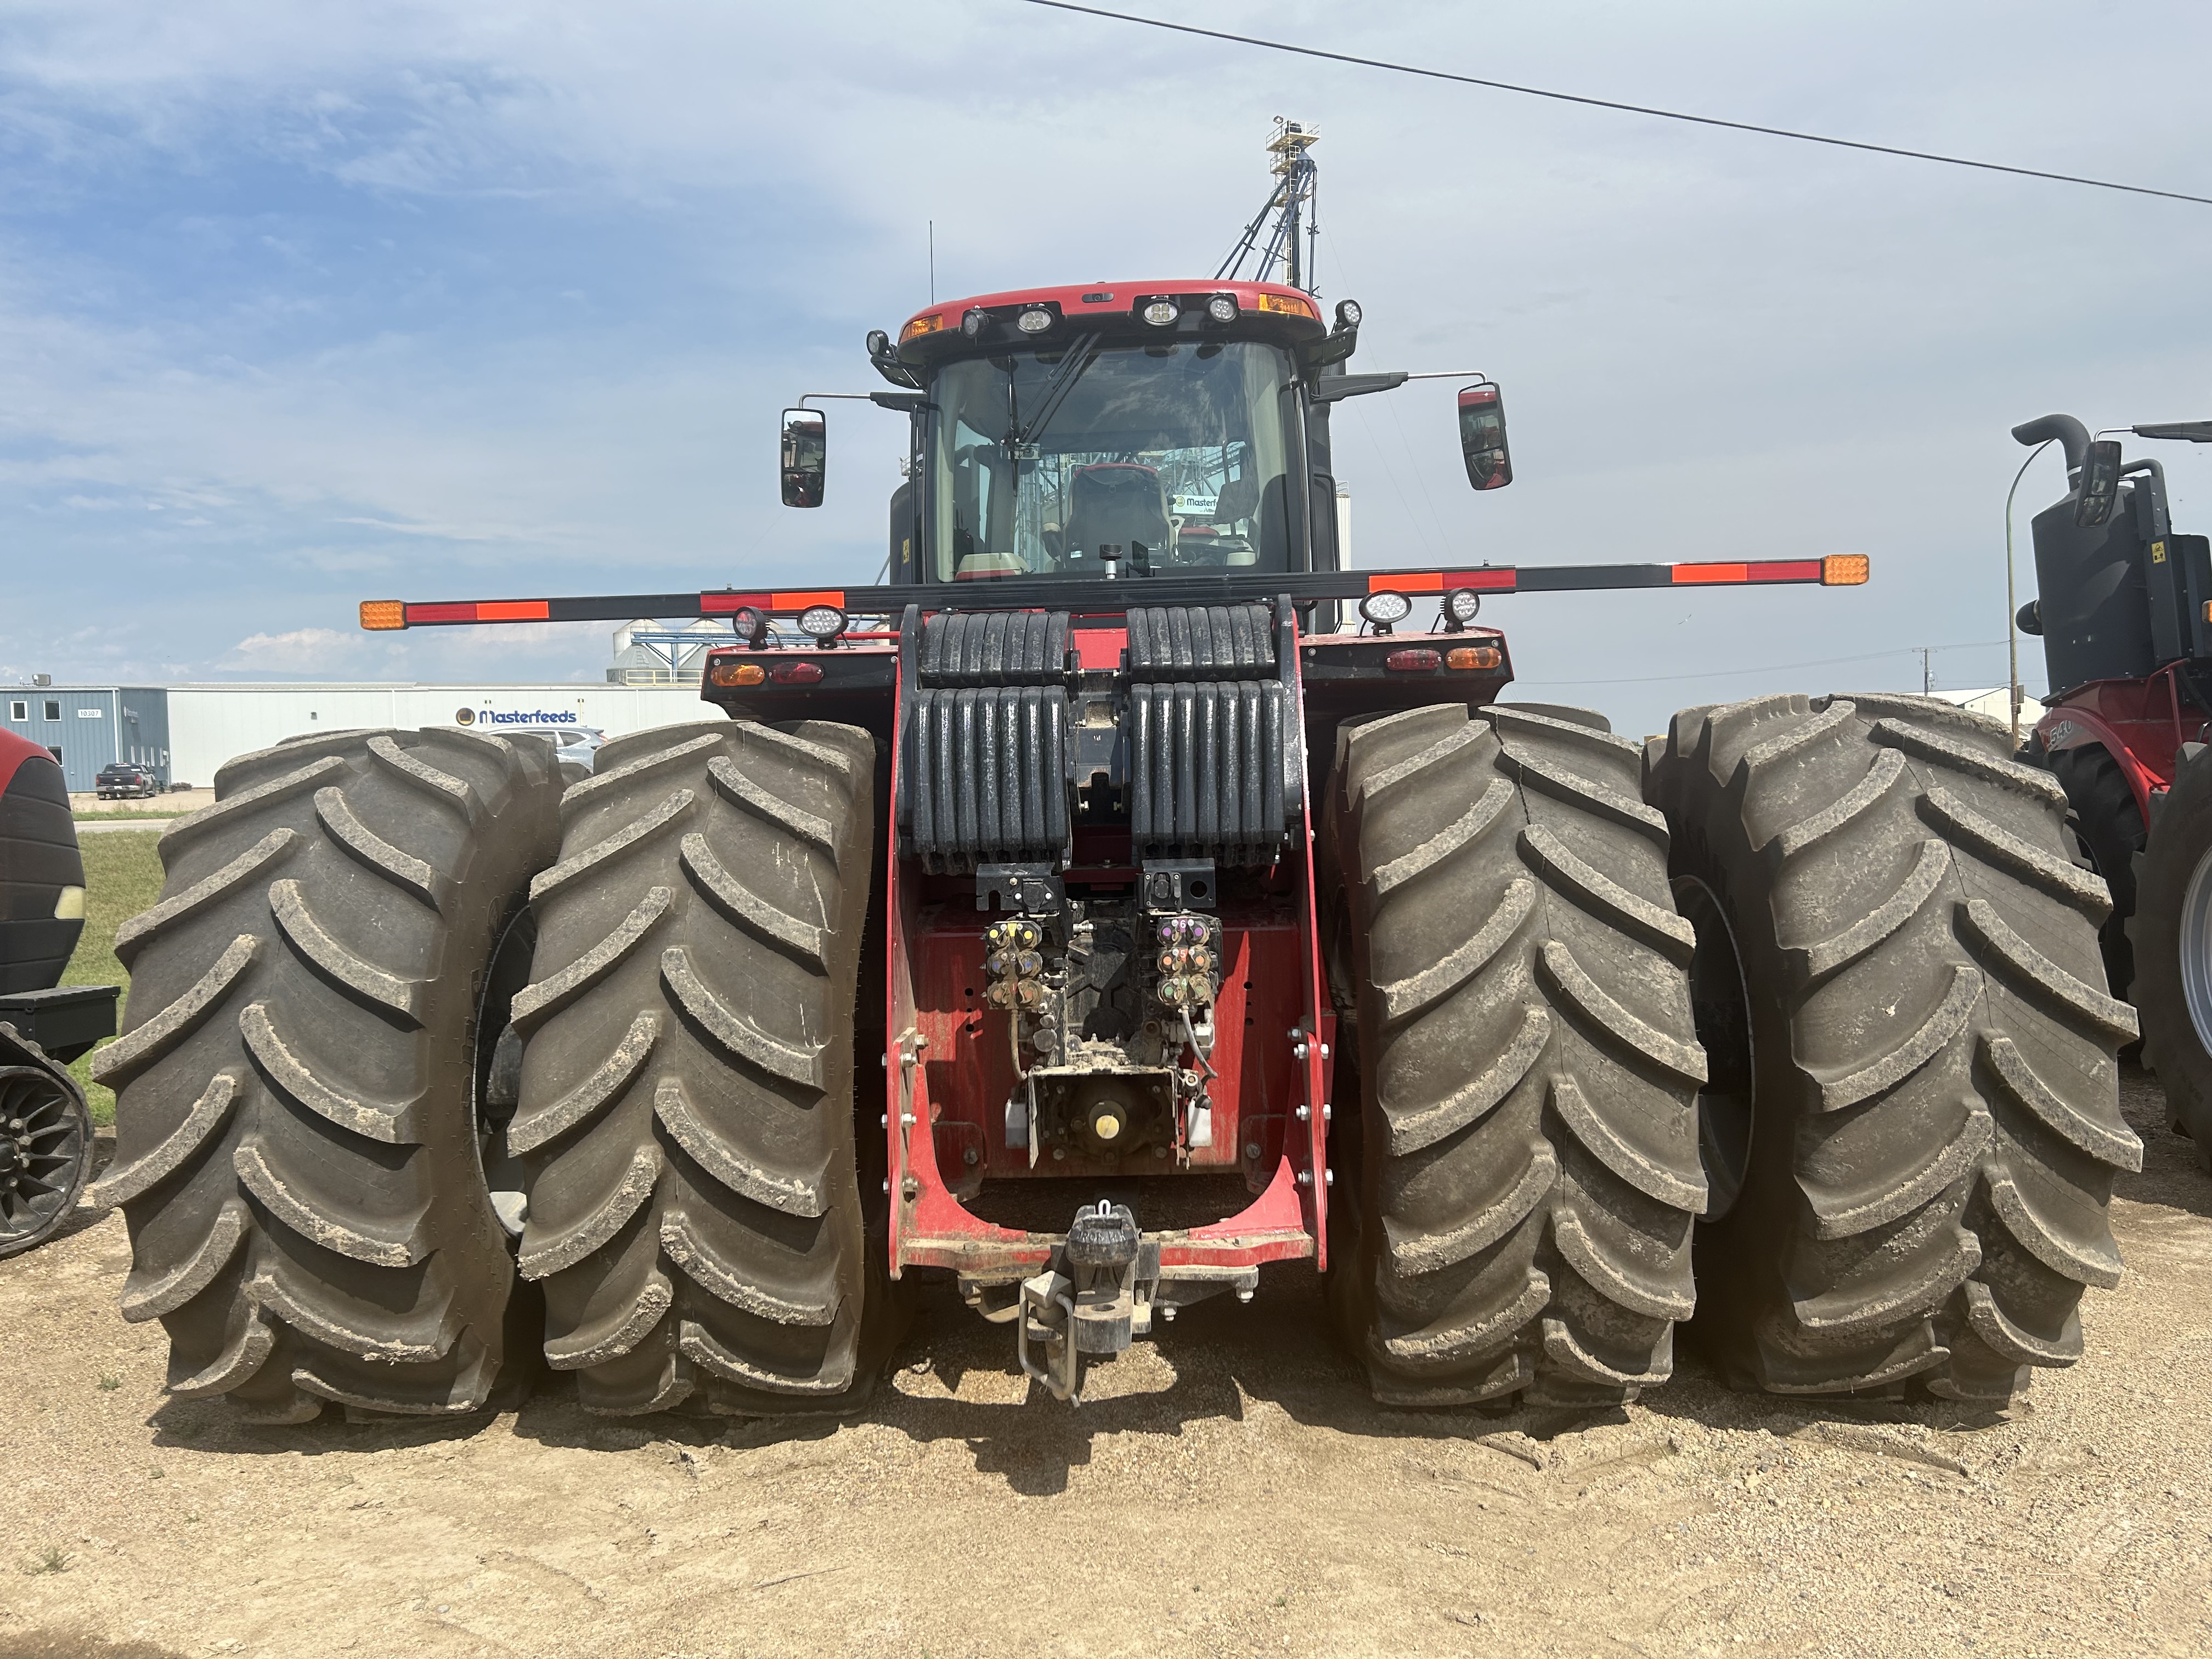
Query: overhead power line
[1632,109]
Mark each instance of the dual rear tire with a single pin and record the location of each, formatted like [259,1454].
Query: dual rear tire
[331,1133]
[1805,1030]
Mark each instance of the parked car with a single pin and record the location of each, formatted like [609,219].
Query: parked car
[573,746]
[125,780]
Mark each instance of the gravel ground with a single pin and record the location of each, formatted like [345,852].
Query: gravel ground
[1234,1492]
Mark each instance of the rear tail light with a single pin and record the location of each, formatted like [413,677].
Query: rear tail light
[795,673]
[1473,656]
[1414,661]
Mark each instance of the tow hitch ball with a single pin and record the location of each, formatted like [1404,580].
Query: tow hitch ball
[1094,1299]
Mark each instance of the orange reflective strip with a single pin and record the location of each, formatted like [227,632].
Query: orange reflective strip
[1419,581]
[512,609]
[379,614]
[1712,573]
[799,601]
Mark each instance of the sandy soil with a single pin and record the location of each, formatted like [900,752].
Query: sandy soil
[1236,1494]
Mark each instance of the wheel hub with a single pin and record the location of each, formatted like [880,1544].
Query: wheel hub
[2195,940]
[40,1151]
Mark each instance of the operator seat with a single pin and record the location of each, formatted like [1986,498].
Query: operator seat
[1119,502]
[1239,500]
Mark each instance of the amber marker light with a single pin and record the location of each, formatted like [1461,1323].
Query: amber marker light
[737,673]
[378,614]
[929,325]
[1844,570]
[1473,656]
[1288,306]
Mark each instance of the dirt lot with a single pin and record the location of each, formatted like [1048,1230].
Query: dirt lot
[1236,1495]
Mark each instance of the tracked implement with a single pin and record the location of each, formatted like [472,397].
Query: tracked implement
[1121,899]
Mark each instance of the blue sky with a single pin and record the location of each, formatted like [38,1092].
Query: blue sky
[300,305]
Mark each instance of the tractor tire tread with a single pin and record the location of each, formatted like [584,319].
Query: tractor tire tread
[1923,1204]
[686,1121]
[1527,1158]
[295,1155]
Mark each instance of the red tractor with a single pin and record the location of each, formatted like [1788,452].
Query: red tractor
[2124,611]
[45,1127]
[1122,900]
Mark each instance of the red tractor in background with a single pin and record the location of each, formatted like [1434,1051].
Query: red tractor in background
[45,1128]
[2125,611]
[1123,899]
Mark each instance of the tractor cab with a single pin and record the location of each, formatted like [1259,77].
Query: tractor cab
[1120,432]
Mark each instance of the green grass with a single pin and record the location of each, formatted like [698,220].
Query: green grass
[122,876]
[103,816]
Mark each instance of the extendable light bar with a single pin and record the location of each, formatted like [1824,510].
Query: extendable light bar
[1092,597]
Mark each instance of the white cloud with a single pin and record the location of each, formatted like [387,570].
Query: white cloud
[318,649]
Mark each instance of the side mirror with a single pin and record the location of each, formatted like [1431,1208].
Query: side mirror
[805,458]
[1482,436]
[2099,486]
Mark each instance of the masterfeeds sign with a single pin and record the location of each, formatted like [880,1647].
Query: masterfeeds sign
[513,717]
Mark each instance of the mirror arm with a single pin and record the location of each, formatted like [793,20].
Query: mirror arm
[1337,387]
[899,403]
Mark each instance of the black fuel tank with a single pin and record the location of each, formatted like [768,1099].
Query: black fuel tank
[2093,603]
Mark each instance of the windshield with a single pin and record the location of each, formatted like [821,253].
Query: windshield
[1173,457]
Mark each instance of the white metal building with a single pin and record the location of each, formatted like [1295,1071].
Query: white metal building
[209,724]
[1993,703]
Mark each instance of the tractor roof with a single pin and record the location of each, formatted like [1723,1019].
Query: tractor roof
[1117,306]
